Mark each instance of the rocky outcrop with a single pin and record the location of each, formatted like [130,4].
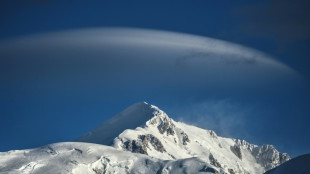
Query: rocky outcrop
[163,122]
[150,139]
[265,155]
[209,170]
[213,134]
[236,150]
[231,171]
[185,138]
[167,127]
[213,161]
[135,146]
[269,157]
[142,144]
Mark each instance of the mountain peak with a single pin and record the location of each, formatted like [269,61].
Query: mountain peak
[144,128]
[136,115]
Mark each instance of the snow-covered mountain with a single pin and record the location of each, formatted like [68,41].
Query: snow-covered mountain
[148,130]
[143,139]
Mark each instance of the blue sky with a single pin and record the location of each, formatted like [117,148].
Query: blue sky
[33,113]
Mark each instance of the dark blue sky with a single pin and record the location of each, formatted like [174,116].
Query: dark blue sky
[278,28]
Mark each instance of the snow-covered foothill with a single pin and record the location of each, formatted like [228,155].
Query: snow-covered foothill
[87,158]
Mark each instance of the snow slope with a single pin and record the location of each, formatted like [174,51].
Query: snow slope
[151,132]
[132,117]
[300,165]
[86,158]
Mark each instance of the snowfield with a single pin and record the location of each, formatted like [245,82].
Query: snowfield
[143,139]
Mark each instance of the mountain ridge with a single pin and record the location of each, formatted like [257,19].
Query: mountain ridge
[157,135]
[118,123]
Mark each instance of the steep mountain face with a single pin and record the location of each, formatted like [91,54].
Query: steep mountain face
[159,136]
[266,155]
[143,139]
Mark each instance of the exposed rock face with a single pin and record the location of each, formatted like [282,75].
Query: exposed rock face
[50,150]
[163,122]
[236,150]
[166,127]
[245,144]
[135,146]
[269,157]
[209,170]
[142,144]
[185,138]
[213,161]
[266,155]
[212,133]
[157,145]
[231,171]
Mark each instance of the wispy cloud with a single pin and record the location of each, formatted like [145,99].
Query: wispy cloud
[225,117]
